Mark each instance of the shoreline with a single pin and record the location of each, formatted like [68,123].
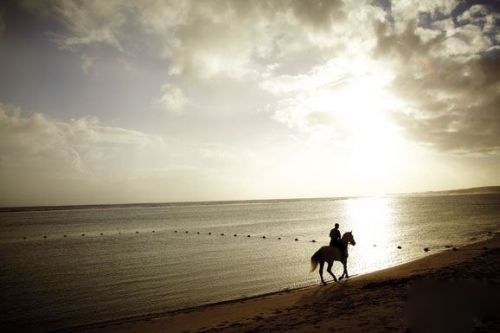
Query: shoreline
[244,313]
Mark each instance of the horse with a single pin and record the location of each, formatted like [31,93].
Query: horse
[330,254]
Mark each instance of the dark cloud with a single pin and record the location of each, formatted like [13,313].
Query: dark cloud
[450,83]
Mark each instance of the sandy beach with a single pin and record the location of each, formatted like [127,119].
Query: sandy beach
[455,290]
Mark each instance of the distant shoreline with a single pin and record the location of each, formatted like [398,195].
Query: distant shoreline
[468,191]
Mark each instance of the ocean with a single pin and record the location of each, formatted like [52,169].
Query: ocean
[69,267]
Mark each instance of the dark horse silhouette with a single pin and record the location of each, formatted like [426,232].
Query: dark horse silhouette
[330,254]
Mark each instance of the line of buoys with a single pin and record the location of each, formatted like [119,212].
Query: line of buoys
[236,235]
[399,247]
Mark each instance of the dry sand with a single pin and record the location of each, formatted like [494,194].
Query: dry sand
[450,291]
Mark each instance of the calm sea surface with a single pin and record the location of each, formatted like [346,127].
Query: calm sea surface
[129,270]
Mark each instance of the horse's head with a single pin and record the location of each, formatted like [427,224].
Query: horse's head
[349,238]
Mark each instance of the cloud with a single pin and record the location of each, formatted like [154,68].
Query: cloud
[172,101]
[88,22]
[80,146]
[436,60]
[87,63]
[450,88]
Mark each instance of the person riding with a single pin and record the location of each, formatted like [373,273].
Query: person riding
[335,239]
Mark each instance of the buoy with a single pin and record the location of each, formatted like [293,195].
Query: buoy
[399,247]
[153,231]
[137,232]
[264,237]
[198,232]
[83,235]
[209,233]
[24,237]
[374,245]
[44,236]
[102,234]
[426,249]
[454,249]
[64,236]
[447,246]
[222,234]
[314,241]
[187,232]
[248,235]
[175,230]
[279,238]
[235,235]
[296,239]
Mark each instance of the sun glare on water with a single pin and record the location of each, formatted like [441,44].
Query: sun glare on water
[373,225]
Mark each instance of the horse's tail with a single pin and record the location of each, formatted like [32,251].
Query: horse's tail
[315,260]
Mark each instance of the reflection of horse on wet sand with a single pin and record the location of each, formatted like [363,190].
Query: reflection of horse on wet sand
[329,254]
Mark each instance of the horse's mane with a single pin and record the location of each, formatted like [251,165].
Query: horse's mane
[345,234]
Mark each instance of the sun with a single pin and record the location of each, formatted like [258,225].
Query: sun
[359,106]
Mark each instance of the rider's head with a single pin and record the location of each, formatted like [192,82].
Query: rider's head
[336,225]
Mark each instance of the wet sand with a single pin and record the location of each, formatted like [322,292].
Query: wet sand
[451,291]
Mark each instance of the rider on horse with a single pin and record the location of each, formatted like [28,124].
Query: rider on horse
[335,240]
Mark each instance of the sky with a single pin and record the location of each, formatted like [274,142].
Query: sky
[157,101]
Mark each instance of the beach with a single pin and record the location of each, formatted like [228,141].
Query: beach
[454,290]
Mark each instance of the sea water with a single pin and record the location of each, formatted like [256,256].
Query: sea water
[69,267]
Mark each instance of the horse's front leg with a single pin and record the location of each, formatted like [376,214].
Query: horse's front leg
[344,273]
[345,269]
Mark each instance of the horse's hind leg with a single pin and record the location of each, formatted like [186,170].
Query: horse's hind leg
[321,264]
[329,270]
